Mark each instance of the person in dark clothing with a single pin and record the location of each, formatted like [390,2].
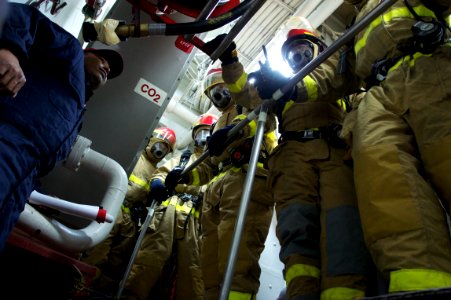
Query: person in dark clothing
[43,92]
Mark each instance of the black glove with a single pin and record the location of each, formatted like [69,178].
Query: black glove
[229,55]
[217,142]
[269,82]
[175,177]
[158,191]
[332,135]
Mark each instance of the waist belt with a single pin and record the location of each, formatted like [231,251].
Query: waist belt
[300,136]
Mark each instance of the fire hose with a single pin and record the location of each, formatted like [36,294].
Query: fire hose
[124,31]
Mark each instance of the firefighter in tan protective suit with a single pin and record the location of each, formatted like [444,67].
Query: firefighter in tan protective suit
[226,172]
[402,139]
[318,223]
[112,255]
[172,238]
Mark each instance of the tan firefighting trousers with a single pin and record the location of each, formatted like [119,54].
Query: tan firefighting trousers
[402,153]
[168,232]
[219,213]
[318,223]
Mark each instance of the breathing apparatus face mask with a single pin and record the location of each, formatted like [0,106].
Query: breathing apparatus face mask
[300,53]
[159,150]
[200,140]
[219,95]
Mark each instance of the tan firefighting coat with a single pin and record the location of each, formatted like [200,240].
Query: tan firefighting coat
[220,209]
[402,147]
[112,255]
[314,193]
[173,232]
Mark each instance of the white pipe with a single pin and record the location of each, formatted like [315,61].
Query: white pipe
[323,11]
[182,112]
[185,140]
[77,240]
[89,212]
[306,8]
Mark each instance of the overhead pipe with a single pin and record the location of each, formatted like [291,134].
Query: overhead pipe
[124,31]
[322,12]
[183,113]
[72,240]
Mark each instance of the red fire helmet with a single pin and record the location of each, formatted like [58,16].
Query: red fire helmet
[167,135]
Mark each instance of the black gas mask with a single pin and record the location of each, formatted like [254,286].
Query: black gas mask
[300,53]
[220,96]
[159,150]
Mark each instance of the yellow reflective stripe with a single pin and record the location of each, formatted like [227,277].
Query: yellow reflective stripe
[125,209]
[139,181]
[342,103]
[271,138]
[271,135]
[196,214]
[184,208]
[287,106]
[341,293]
[195,177]
[238,85]
[418,279]
[217,177]
[402,12]
[410,59]
[298,270]
[253,126]
[239,118]
[311,87]
[222,174]
[170,201]
[234,295]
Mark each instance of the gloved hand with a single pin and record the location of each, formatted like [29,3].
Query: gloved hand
[229,55]
[217,142]
[175,177]
[269,82]
[158,191]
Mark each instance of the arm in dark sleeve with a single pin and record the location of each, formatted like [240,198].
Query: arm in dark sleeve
[39,42]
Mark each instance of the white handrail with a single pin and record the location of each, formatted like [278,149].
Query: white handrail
[89,212]
[68,239]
